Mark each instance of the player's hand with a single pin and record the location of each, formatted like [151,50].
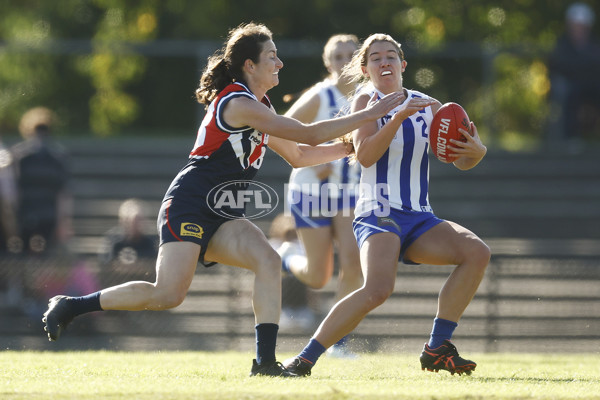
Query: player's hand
[378,108]
[413,106]
[472,148]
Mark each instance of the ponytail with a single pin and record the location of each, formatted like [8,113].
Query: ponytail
[215,78]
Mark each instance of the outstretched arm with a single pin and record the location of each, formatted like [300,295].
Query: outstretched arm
[243,111]
[301,155]
[371,142]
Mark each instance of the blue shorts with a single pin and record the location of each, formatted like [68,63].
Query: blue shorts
[407,224]
[315,211]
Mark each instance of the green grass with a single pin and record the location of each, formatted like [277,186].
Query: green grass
[202,375]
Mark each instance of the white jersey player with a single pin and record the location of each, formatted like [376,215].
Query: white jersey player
[394,220]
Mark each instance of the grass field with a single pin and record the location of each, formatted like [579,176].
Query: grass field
[202,375]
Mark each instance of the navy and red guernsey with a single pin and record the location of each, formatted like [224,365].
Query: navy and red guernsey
[235,150]
[221,153]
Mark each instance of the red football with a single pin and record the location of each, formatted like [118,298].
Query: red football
[444,127]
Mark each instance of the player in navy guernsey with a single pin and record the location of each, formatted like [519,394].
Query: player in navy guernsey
[230,146]
[393,218]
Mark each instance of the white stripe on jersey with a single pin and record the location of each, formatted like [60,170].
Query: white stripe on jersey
[219,121]
[404,167]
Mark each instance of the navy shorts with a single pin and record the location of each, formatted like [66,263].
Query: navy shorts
[408,225]
[315,211]
[181,222]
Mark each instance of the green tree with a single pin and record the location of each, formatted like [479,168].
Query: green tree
[488,56]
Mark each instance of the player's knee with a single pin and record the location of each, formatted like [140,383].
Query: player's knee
[316,281]
[482,253]
[268,262]
[479,255]
[379,294]
[273,260]
[166,299]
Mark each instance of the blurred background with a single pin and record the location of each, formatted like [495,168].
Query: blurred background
[118,79]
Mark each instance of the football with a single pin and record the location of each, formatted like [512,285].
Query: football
[444,126]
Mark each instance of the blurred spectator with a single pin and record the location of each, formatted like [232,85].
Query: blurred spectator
[129,251]
[44,204]
[8,202]
[296,311]
[10,278]
[43,216]
[574,66]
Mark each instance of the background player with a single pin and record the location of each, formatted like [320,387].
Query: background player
[324,185]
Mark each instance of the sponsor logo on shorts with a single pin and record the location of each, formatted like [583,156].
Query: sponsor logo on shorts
[387,221]
[242,199]
[190,229]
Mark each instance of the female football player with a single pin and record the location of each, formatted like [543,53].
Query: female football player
[322,198]
[230,146]
[393,219]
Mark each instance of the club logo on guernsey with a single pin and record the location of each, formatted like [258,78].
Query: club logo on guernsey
[190,229]
[242,199]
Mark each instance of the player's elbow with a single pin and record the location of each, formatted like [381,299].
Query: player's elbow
[294,158]
[294,162]
[364,160]
[313,140]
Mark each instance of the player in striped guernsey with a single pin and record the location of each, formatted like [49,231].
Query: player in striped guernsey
[321,199]
[394,220]
[230,147]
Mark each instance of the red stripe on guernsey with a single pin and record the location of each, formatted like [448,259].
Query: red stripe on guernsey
[209,138]
[169,223]
[257,150]
[213,131]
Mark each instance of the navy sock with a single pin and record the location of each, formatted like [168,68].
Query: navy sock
[266,340]
[342,342]
[85,304]
[442,330]
[312,351]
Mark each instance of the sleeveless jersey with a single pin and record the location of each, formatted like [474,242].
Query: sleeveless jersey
[332,103]
[235,149]
[400,178]
[221,153]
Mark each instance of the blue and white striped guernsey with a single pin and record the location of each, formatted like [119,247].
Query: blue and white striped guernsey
[400,178]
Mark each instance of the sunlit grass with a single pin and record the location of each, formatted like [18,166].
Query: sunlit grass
[203,375]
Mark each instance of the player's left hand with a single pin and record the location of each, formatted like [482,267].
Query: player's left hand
[472,148]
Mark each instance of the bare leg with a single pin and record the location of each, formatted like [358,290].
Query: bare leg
[350,275]
[318,246]
[379,260]
[175,268]
[241,243]
[450,244]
